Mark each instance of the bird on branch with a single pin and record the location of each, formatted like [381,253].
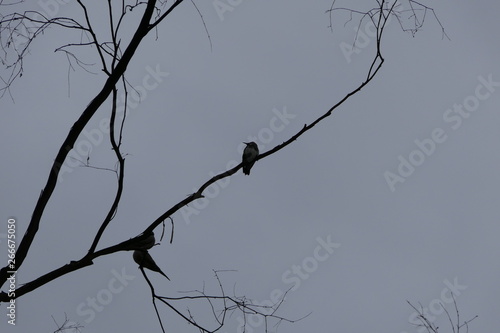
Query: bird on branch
[250,153]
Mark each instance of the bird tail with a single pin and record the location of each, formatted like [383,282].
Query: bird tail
[165,275]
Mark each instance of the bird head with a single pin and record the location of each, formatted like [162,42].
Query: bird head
[251,144]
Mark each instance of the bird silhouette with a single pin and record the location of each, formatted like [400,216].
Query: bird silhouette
[146,243]
[144,260]
[250,153]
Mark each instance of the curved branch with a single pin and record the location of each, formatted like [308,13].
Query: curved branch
[373,70]
[120,173]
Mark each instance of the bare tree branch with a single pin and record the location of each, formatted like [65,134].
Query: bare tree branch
[141,32]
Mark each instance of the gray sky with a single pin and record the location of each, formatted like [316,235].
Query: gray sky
[274,67]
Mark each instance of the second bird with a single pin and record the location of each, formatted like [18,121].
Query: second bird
[144,259]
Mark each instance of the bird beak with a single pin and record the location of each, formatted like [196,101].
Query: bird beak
[247,143]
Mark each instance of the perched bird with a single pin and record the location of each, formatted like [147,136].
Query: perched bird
[144,259]
[146,243]
[250,153]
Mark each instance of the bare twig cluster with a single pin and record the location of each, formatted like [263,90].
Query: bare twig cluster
[221,306]
[17,33]
[456,325]
[67,326]
[411,15]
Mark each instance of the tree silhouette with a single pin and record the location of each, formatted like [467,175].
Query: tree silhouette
[18,30]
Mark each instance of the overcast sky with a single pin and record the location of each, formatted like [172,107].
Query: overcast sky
[393,198]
